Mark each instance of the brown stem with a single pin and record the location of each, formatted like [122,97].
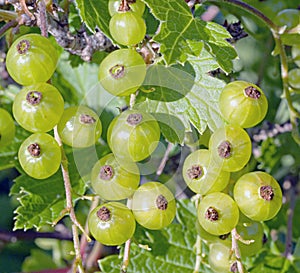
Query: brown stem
[248,8]
[43,18]
[291,190]
[7,26]
[70,208]
[14,236]
[90,260]
[164,160]
[126,256]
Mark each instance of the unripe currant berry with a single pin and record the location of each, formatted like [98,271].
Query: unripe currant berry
[31,59]
[243,104]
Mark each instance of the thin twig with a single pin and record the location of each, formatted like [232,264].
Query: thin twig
[14,236]
[84,242]
[93,257]
[132,100]
[7,26]
[70,208]
[198,255]
[43,18]
[250,9]
[294,114]
[291,189]
[235,248]
[164,160]
[126,256]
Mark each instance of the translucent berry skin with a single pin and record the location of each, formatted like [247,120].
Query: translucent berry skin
[219,257]
[296,54]
[294,78]
[288,17]
[202,174]
[227,213]
[31,59]
[7,128]
[46,163]
[248,196]
[38,116]
[138,7]
[209,238]
[250,230]
[127,28]
[240,147]
[77,133]
[114,182]
[133,142]
[145,206]
[243,104]
[122,72]
[116,230]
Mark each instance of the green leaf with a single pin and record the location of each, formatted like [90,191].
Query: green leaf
[199,106]
[37,261]
[171,127]
[172,249]
[8,154]
[180,32]
[42,201]
[270,264]
[95,13]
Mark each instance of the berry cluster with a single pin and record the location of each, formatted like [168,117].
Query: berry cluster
[39,107]
[256,196]
[132,137]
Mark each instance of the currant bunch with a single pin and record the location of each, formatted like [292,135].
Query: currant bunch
[132,137]
[126,25]
[256,196]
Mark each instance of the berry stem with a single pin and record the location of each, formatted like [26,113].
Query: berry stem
[7,26]
[43,18]
[164,160]
[235,248]
[126,257]
[292,192]
[198,247]
[250,9]
[70,207]
[294,114]
[132,100]
[95,254]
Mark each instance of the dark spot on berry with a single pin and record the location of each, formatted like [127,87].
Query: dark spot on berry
[106,172]
[224,236]
[252,92]
[23,46]
[224,149]
[264,239]
[34,149]
[34,97]
[161,202]
[211,214]
[266,192]
[234,268]
[195,172]
[86,119]
[104,214]
[117,71]
[134,119]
